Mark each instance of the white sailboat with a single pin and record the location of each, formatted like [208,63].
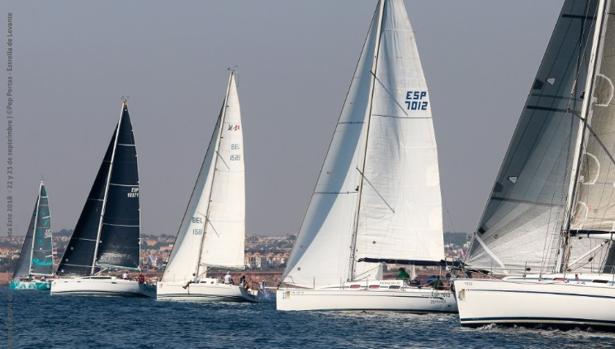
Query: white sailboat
[107,234]
[549,224]
[377,199]
[212,231]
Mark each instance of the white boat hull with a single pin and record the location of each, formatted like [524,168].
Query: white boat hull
[208,290]
[416,300]
[105,287]
[560,303]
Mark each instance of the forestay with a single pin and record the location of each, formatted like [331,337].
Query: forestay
[523,218]
[212,231]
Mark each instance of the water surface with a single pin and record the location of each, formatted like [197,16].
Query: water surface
[33,319]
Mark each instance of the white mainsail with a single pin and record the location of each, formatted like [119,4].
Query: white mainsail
[212,232]
[541,205]
[378,193]
[401,208]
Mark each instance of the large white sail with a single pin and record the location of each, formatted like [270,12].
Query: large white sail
[212,231]
[383,150]
[321,253]
[523,219]
[401,208]
[225,231]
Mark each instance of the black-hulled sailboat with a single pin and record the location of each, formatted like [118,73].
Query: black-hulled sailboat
[106,237]
[35,264]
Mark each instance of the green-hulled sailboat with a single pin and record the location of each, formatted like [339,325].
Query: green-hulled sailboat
[35,264]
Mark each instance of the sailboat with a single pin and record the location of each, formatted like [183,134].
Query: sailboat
[35,262]
[546,234]
[106,236]
[212,230]
[377,200]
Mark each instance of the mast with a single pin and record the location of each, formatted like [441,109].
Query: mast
[104,203]
[353,243]
[578,151]
[215,164]
[38,202]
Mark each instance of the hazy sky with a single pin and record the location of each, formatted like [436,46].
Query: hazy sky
[75,59]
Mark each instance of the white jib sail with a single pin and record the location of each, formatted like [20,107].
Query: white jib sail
[217,204]
[322,252]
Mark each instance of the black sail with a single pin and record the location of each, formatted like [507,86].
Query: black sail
[119,239]
[79,254]
[111,213]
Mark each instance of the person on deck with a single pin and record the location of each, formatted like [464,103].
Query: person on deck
[228,279]
[437,283]
[402,274]
[141,279]
[125,276]
[191,281]
[242,281]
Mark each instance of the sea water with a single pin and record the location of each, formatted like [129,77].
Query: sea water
[33,319]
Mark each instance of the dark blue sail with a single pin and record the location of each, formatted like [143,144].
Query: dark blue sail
[42,248]
[119,239]
[79,255]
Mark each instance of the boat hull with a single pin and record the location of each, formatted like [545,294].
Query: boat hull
[536,303]
[37,285]
[103,287]
[416,300]
[205,291]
